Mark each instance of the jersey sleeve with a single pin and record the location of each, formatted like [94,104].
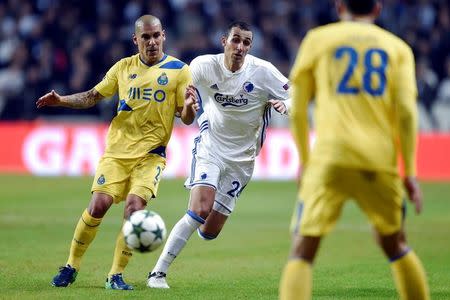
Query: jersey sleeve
[276,83]
[109,84]
[405,91]
[302,91]
[184,79]
[196,71]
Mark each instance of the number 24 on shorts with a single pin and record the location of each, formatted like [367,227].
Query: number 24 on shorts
[236,186]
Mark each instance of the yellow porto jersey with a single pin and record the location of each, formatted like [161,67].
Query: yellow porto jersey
[148,97]
[362,79]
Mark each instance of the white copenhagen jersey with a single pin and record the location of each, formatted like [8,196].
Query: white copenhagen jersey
[234,105]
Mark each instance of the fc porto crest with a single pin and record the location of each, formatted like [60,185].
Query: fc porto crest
[101,180]
[248,86]
[163,79]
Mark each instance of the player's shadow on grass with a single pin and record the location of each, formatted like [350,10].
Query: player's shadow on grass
[356,293]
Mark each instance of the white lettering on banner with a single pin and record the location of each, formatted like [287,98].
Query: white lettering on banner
[85,152]
[43,151]
[75,150]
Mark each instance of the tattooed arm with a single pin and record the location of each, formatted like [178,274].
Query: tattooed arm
[78,101]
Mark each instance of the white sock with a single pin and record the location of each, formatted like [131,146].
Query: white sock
[177,239]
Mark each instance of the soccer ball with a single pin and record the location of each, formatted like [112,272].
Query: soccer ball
[144,231]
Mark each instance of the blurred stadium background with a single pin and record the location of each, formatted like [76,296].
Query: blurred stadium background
[69,45]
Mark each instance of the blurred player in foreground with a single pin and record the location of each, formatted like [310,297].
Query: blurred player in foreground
[362,79]
[153,87]
[235,92]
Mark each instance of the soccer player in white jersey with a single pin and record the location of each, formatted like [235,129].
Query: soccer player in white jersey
[235,94]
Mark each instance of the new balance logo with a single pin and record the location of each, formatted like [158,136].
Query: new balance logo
[214,87]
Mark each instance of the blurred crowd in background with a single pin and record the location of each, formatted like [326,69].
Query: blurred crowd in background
[69,45]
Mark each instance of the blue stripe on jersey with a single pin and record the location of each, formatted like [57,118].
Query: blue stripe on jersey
[196,217]
[123,106]
[161,151]
[174,64]
[204,126]
[148,65]
[200,103]
[266,117]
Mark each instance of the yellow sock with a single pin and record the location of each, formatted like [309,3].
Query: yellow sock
[122,255]
[410,278]
[296,281]
[85,232]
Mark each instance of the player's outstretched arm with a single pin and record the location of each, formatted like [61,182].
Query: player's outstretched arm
[78,101]
[190,107]
[414,192]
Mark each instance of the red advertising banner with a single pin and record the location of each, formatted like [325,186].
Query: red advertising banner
[54,149]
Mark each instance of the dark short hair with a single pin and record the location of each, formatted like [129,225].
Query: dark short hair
[239,24]
[360,7]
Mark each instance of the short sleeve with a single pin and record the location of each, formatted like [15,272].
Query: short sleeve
[109,84]
[276,83]
[196,71]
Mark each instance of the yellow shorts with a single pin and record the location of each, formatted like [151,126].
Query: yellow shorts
[120,177]
[324,189]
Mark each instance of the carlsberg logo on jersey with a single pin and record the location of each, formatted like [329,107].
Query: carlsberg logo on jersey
[228,100]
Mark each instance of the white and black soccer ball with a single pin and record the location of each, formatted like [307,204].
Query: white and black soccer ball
[144,231]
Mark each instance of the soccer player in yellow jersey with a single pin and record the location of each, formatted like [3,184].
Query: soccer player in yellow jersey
[362,80]
[153,87]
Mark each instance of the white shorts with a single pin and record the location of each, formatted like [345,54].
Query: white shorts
[228,178]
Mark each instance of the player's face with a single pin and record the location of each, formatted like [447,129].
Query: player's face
[237,45]
[150,39]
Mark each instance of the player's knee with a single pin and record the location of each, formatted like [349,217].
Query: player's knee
[99,205]
[202,210]
[206,236]
[393,245]
[133,205]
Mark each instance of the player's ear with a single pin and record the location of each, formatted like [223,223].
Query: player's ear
[377,9]
[163,35]
[223,40]
[134,39]
[340,7]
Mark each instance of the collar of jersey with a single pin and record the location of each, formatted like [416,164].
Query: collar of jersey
[228,72]
[161,60]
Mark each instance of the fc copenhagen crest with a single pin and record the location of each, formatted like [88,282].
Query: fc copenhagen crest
[248,86]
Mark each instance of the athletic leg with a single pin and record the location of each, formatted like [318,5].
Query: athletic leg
[296,279]
[201,203]
[84,234]
[122,253]
[407,270]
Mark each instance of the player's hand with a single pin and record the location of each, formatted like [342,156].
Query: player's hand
[49,99]
[190,98]
[414,193]
[279,106]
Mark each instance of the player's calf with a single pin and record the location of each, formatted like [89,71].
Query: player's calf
[205,236]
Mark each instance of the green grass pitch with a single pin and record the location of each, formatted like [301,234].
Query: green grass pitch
[38,215]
